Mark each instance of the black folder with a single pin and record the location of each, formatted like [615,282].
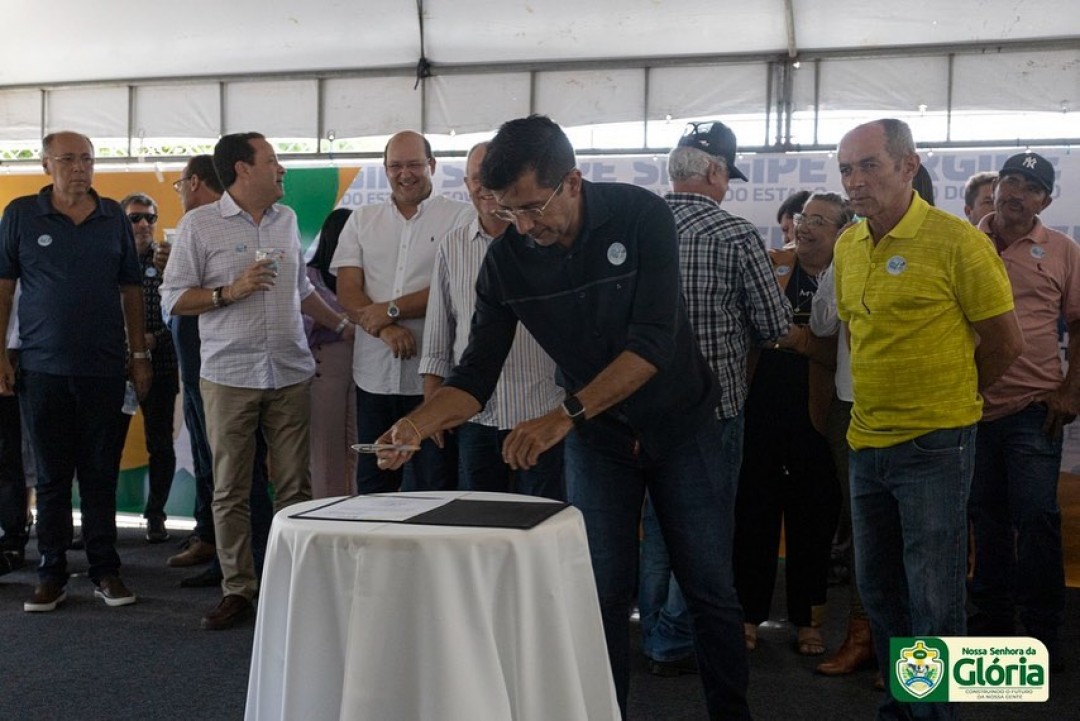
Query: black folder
[465,512]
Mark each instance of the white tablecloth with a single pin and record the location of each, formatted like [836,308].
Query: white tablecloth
[399,622]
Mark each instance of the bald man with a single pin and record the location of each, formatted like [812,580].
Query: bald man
[383,262]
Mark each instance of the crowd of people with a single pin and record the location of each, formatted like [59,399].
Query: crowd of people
[888,379]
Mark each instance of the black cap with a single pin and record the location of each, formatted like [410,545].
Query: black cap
[1033,166]
[714,138]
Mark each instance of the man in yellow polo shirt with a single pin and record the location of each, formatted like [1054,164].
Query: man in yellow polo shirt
[929,311]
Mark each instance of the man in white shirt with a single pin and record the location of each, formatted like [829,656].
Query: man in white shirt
[256,365]
[383,263]
[526,388]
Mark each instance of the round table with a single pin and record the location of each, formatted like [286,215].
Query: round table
[398,622]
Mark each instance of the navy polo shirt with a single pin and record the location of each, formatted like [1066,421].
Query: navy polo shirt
[615,289]
[71,320]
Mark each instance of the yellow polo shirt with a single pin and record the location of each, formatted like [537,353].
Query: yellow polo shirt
[909,303]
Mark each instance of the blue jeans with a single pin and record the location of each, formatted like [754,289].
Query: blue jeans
[75,426]
[607,475]
[202,460]
[430,469]
[667,633]
[481,466]
[1017,521]
[909,525]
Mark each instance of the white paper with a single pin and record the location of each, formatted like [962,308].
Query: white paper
[376,508]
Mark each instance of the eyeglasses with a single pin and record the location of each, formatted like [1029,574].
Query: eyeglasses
[512,216]
[135,218]
[178,184]
[812,221]
[70,160]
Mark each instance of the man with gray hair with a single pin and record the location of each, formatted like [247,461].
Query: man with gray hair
[929,312]
[734,304]
[81,296]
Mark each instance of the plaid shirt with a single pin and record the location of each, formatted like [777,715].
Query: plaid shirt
[732,297]
[163,357]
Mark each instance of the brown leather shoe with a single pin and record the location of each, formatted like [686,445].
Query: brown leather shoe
[113,592]
[232,610]
[197,551]
[47,595]
[857,651]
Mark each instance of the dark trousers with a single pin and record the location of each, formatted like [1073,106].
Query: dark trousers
[13,502]
[75,426]
[481,466]
[692,489]
[158,408]
[1019,562]
[430,469]
[787,473]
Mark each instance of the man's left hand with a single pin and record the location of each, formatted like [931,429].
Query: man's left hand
[529,439]
[1061,410]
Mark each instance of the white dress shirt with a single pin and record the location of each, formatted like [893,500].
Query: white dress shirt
[825,322]
[526,387]
[396,254]
[258,341]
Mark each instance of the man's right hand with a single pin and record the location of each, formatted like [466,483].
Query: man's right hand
[259,276]
[400,340]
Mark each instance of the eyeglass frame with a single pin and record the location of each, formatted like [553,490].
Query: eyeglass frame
[179,182]
[800,219]
[512,216]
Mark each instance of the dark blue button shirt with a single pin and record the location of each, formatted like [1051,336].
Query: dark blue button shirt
[71,321]
[615,289]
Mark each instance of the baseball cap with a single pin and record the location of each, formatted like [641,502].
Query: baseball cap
[1033,166]
[714,138]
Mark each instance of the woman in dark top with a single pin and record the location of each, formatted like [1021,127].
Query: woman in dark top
[788,473]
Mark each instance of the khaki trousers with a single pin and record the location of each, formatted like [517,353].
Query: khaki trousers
[233,416]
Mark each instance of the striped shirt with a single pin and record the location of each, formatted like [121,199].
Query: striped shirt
[526,388]
[732,297]
[259,341]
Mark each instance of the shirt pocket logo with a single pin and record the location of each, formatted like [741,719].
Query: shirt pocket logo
[616,253]
[44,240]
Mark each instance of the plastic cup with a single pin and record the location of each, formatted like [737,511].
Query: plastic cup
[274,254]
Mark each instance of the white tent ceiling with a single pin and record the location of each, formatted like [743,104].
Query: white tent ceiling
[197,68]
[74,40]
